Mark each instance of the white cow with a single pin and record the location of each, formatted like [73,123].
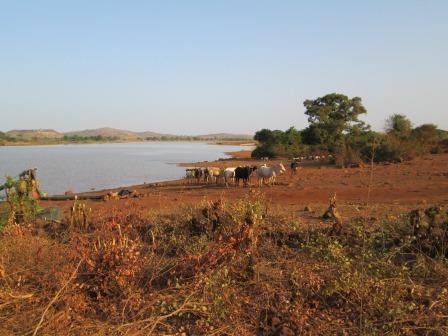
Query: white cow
[265,173]
[227,174]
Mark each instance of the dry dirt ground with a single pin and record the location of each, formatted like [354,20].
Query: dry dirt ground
[382,189]
[262,267]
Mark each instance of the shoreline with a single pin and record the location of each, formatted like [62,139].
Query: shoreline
[234,155]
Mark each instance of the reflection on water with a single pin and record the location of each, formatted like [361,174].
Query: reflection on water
[100,166]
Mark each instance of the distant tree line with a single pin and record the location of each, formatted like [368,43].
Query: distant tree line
[95,138]
[75,138]
[5,138]
[335,128]
[192,138]
[173,138]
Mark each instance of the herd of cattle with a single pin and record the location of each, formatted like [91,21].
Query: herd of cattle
[264,173]
[320,157]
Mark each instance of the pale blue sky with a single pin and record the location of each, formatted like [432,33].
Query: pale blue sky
[192,67]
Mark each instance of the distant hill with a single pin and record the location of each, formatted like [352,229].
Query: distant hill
[35,134]
[149,134]
[107,133]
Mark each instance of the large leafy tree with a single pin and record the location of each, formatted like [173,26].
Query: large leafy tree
[333,117]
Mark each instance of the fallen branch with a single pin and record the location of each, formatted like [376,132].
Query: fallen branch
[56,297]
[159,319]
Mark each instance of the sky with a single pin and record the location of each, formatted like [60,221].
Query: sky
[199,67]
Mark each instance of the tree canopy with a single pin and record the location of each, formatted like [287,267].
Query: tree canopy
[331,117]
[334,127]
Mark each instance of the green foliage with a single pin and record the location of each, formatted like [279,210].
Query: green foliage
[399,126]
[393,149]
[334,127]
[4,213]
[278,143]
[396,145]
[332,117]
[421,231]
[9,182]
[358,146]
[312,136]
[86,139]
[402,142]
[219,293]
[23,207]
[385,269]
[264,136]
[346,155]
[442,134]
[426,136]
[264,151]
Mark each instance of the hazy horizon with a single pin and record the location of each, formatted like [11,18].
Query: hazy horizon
[212,67]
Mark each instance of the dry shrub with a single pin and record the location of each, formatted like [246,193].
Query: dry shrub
[108,275]
[34,268]
[347,156]
[223,269]
[421,231]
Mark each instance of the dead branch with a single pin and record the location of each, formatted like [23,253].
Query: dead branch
[56,297]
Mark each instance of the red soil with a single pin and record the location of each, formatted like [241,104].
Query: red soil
[385,187]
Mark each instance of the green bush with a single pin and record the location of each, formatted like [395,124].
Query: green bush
[23,207]
[394,149]
[263,151]
[278,143]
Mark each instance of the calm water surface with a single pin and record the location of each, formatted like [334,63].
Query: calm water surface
[100,166]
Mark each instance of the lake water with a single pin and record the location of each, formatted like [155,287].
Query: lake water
[100,166]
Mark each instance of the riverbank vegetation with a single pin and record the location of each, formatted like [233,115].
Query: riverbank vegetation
[335,128]
[109,135]
[223,268]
